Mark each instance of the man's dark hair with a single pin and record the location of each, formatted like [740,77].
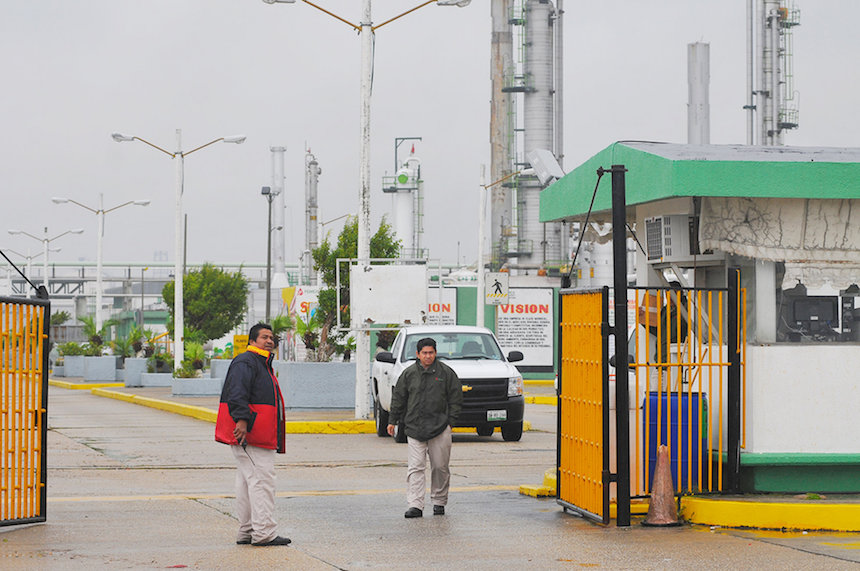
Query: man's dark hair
[680,296]
[255,330]
[426,342]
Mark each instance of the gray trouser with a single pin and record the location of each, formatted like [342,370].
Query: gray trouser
[255,493]
[439,450]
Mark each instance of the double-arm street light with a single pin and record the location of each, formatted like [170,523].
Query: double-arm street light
[179,157]
[45,243]
[366,29]
[100,213]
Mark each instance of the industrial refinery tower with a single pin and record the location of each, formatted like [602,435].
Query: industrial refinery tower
[526,115]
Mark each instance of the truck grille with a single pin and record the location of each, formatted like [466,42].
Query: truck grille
[484,389]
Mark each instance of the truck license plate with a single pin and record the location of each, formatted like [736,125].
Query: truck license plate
[497,415]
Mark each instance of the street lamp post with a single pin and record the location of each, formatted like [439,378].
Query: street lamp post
[100,214]
[142,320]
[179,157]
[366,29]
[267,192]
[45,242]
[482,236]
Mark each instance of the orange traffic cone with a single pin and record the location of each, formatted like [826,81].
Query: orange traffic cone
[662,510]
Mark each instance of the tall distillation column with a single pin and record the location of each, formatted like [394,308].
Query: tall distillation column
[279,268]
[312,176]
[775,78]
[540,244]
[502,140]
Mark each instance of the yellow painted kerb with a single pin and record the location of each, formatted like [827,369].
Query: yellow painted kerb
[772,515]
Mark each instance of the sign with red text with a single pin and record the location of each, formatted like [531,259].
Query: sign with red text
[525,323]
[442,306]
[306,300]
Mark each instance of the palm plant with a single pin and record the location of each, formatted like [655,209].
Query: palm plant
[95,335]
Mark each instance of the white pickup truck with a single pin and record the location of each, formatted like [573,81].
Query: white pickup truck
[492,386]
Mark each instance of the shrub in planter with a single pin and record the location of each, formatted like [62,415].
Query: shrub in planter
[70,349]
[159,363]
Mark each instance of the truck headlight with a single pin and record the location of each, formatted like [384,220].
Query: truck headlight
[515,386]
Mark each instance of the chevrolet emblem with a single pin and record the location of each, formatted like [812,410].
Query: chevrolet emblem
[466,388]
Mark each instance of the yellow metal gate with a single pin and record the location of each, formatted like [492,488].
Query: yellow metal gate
[23,409]
[583,415]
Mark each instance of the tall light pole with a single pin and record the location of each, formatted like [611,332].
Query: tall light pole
[179,157]
[267,192]
[142,320]
[366,29]
[482,236]
[100,214]
[45,242]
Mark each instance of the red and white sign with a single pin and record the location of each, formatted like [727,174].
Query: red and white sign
[525,323]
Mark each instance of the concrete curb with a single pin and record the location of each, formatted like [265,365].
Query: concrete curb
[82,386]
[292,427]
[541,399]
[800,515]
[808,515]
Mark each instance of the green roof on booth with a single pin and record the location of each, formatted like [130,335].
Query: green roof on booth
[657,171]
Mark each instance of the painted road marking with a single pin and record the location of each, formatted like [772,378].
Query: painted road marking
[289,494]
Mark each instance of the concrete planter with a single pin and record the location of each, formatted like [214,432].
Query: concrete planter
[203,386]
[102,369]
[134,368]
[218,368]
[316,385]
[156,379]
[74,365]
[58,371]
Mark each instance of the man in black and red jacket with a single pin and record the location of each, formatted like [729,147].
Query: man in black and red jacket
[251,421]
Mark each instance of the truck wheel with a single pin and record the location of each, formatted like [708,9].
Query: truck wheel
[485,430]
[400,434]
[381,419]
[512,432]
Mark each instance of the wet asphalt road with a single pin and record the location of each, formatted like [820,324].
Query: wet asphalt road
[136,488]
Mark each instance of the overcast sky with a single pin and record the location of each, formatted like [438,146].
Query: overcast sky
[288,75]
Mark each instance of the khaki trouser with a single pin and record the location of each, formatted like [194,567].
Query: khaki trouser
[439,450]
[255,493]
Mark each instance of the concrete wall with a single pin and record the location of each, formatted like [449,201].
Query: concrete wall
[803,398]
[134,368]
[100,369]
[317,385]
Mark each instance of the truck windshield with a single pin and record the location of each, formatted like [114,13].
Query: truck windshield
[456,346]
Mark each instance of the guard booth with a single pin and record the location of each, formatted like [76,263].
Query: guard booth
[24,346]
[685,346]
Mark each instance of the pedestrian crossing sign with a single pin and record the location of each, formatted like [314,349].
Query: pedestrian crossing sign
[496,288]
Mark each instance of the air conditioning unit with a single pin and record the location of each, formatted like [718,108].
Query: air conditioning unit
[668,238]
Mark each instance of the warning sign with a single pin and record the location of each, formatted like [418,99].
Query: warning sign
[496,288]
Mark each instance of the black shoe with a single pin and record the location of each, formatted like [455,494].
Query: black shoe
[277,541]
[243,541]
[438,510]
[413,512]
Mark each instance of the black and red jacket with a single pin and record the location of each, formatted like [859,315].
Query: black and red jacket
[251,393]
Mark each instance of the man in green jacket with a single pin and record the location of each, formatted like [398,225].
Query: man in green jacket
[428,398]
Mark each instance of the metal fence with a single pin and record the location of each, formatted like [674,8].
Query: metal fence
[23,409]
[685,390]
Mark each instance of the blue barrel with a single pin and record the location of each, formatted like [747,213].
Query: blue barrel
[670,416]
